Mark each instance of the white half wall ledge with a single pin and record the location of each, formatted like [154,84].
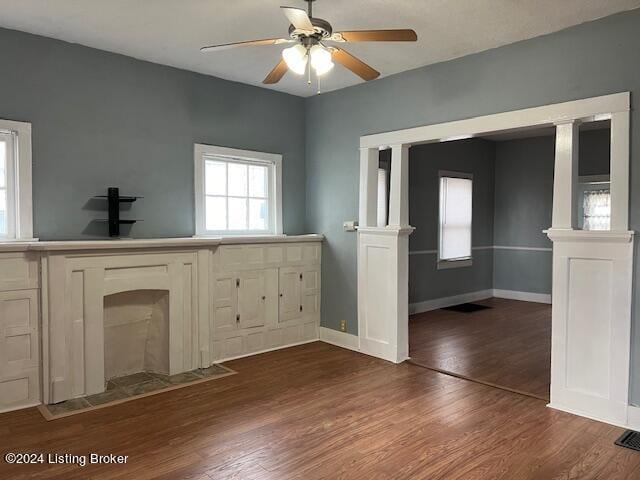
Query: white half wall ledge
[174,242]
[567,235]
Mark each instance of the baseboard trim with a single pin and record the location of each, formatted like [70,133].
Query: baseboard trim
[266,350]
[633,418]
[522,296]
[437,303]
[580,413]
[340,339]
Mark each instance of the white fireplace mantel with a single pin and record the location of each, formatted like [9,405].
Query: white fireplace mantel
[227,297]
[190,242]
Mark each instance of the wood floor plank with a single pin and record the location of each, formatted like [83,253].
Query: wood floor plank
[508,345]
[318,412]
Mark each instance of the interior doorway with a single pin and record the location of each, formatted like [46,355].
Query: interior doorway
[480,264]
[590,326]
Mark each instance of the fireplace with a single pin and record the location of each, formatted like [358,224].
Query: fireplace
[124,314]
[136,333]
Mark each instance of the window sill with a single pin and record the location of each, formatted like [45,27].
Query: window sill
[446,264]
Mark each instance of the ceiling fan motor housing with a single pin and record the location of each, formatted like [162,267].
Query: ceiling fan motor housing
[322,29]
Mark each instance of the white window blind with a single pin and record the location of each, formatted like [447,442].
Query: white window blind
[382,198]
[455,218]
[597,209]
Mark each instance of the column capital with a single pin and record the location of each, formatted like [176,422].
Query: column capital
[569,121]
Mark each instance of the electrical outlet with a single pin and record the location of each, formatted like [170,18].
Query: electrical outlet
[343,325]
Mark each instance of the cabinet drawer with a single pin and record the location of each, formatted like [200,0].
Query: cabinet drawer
[18,271]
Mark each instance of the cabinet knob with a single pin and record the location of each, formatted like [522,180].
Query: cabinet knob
[264,298]
[280,295]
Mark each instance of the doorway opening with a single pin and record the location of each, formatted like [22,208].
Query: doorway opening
[592,252]
[480,264]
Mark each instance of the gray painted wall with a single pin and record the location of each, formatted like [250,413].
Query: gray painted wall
[524,201]
[523,205]
[592,59]
[473,156]
[101,119]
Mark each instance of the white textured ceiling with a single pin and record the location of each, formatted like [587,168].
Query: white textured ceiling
[171,32]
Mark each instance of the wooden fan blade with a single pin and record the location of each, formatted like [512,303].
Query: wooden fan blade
[276,74]
[406,35]
[249,43]
[354,64]
[298,18]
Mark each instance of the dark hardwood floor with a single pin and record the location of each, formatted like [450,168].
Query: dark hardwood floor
[321,412]
[508,345]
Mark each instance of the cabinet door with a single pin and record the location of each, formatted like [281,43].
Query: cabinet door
[290,294]
[225,302]
[251,299]
[19,348]
[310,291]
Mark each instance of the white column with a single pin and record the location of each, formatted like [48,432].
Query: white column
[565,176]
[399,196]
[620,171]
[369,161]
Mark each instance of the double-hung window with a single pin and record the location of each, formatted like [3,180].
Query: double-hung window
[237,192]
[7,185]
[454,229]
[15,181]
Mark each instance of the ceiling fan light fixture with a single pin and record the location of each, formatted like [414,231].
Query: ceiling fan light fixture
[296,58]
[320,59]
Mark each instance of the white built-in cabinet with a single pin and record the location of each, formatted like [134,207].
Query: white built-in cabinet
[225,299]
[19,331]
[264,297]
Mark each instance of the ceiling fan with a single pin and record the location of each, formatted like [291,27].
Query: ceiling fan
[309,35]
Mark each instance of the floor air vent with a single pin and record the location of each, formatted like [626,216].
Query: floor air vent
[630,439]
[466,307]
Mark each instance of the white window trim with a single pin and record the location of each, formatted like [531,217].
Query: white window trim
[22,203]
[275,205]
[462,262]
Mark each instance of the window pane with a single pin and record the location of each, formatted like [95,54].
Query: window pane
[237,180]
[216,213]
[382,198]
[215,178]
[455,218]
[237,212]
[3,213]
[597,210]
[3,164]
[257,181]
[258,214]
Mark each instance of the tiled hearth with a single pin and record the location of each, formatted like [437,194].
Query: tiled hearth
[132,386]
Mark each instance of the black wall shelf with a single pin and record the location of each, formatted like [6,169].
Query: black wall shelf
[114,200]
